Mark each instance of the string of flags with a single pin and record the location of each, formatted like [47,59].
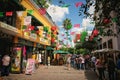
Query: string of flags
[10,13]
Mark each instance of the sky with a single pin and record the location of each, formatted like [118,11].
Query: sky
[71,12]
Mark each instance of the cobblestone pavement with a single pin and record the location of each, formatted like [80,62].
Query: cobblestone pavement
[55,73]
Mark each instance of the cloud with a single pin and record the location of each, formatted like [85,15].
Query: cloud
[57,13]
[91,9]
[87,22]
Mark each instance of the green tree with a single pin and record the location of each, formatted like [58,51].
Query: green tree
[42,3]
[67,24]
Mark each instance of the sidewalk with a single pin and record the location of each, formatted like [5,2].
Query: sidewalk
[55,73]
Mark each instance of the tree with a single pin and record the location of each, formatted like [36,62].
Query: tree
[90,45]
[67,24]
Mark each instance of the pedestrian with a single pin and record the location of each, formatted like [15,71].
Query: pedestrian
[5,65]
[68,61]
[100,68]
[118,67]
[93,60]
[111,68]
[82,62]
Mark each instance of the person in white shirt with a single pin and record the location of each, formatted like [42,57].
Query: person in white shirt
[5,65]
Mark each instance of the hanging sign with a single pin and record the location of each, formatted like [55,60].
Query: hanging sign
[33,36]
[27,20]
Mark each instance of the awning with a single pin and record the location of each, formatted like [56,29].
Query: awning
[60,52]
[49,48]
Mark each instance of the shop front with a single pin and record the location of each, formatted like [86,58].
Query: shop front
[6,44]
[22,50]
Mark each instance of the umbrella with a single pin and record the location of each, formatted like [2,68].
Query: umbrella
[60,52]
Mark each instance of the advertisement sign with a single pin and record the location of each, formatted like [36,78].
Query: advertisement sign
[30,66]
[16,59]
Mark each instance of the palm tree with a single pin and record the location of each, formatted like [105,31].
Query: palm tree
[67,24]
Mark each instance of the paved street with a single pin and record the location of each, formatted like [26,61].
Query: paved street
[55,73]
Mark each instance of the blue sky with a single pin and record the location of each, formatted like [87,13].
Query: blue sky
[59,13]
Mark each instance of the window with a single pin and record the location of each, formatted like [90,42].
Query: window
[110,44]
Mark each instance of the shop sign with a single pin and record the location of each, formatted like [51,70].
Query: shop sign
[26,35]
[30,67]
[43,40]
[33,36]
[8,27]
[16,59]
[25,42]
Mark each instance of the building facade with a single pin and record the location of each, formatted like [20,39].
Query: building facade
[25,29]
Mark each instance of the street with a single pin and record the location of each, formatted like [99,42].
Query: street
[55,73]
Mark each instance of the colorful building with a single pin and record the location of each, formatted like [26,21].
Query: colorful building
[25,29]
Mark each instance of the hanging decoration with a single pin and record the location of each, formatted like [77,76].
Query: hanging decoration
[65,5]
[38,32]
[78,36]
[33,31]
[52,40]
[78,4]
[65,38]
[48,35]
[95,32]
[83,36]
[55,32]
[27,20]
[72,33]
[31,28]
[9,13]
[19,13]
[91,37]
[63,34]
[42,11]
[106,21]
[45,28]
[76,25]
[24,27]
[30,11]
[1,14]
[53,28]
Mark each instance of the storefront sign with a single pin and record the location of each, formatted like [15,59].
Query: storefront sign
[25,42]
[8,27]
[30,66]
[27,20]
[33,36]
[16,59]
[43,40]
[26,35]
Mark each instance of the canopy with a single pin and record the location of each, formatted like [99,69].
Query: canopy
[60,52]
[106,50]
[49,48]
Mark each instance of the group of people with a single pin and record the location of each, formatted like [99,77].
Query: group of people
[107,65]
[79,62]
[98,64]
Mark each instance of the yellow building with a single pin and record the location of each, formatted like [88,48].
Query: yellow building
[23,24]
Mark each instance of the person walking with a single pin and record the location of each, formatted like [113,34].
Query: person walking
[100,67]
[68,61]
[118,67]
[111,68]
[5,65]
